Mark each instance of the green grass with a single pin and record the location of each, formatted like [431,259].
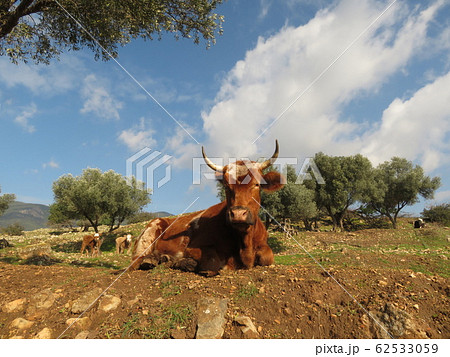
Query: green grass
[247,291]
[158,325]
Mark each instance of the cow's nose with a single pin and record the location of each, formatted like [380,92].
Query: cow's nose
[240,215]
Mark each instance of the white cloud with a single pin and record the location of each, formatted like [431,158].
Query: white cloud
[138,137]
[262,85]
[58,78]
[416,128]
[23,118]
[97,100]
[51,164]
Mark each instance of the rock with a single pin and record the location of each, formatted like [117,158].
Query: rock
[21,323]
[382,283]
[44,334]
[82,322]
[109,303]
[40,303]
[14,306]
[132,302]
[82,335]
[35,250]
[84,302]
[398,323]
[211,317]
[287,311]
[247,326]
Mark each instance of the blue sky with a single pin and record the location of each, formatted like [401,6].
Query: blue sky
[341,77]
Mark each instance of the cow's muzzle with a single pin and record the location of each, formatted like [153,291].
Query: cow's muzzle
[240,216]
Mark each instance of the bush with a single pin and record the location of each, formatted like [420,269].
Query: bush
[439,214]
[14,229]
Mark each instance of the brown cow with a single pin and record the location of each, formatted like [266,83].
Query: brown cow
[228,235]
[92,243]
[123,243]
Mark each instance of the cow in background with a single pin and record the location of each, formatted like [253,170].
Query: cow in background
[92,243]
[123,243]
[228,235]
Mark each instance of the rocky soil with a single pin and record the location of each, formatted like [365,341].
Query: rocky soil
[45,296]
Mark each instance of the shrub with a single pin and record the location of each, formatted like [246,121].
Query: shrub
[14,229]
[438,214]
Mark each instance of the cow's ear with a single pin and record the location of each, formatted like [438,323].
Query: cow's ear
[273,181]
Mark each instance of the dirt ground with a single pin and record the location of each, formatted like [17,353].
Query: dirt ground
[298,300]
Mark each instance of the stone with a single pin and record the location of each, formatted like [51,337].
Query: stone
[21,323]
[211,317]
[81,323]
[84,302]
[396,323]
[40,303]
[35,250]
[44,334]
[109,303]
[382,283]
[14,306]
[82,335]
[247,327]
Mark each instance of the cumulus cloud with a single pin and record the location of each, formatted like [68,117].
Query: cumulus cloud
[138,136]
[23,119]
[98,100]
[257,91]
[416,128]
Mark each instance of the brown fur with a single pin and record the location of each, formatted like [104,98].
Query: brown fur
[92,244]
[228,235]
[122,243]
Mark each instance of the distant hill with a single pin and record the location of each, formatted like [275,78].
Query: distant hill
[30,215]
[161,214]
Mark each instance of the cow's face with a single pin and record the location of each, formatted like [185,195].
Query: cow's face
[243,181]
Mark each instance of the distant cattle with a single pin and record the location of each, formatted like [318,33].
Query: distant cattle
[228,235]
[123,243]
[419,223]
[91,243]
[4,243]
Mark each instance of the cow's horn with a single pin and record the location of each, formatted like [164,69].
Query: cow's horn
[210,163]
[267,163]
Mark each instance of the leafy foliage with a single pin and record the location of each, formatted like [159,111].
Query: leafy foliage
[348,179]
[39,30]
[5,200]
[14,229]
[101,198]
[398,183]
[438,213]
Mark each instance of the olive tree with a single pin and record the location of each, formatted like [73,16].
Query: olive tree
[399,183]
[99,197]
[347,181]
[5,200]
[39,30]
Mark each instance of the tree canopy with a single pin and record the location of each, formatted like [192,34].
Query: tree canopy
[347,180]
[5,200]
[101,198]
[39,30]
[398,183]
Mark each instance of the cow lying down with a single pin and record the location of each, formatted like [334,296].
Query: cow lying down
[228,235]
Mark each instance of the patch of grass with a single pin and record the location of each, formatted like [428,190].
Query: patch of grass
[158,325]
[168,288]
[131,327]
[247,291]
